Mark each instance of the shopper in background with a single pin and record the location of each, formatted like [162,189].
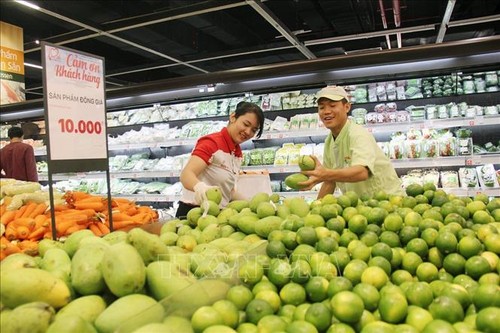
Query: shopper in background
[352,160]
[17,159]
[216,159]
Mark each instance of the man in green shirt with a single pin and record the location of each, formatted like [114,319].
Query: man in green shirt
[352,160]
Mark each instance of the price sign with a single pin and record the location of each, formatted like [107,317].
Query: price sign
[75,104]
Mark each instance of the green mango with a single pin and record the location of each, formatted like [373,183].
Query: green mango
[86,274]
[129,313]
[26,285]
[164,278]
[123,269]
[33,317]
[71,323]
[149,246]
[88,307]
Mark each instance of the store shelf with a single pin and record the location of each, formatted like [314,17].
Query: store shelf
[162,144]
[470,192]
[128,175]
[446,161]
[149,197]
[438,162]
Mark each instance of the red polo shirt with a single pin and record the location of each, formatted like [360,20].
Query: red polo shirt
[17,160]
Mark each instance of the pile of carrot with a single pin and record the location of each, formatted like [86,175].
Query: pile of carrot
[32,222]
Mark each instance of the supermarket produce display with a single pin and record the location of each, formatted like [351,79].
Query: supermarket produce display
[424,262]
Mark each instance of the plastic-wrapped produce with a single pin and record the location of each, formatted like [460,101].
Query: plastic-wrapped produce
[430,148]
[449,179]
[491,78]
[256,157]
[360,94]
[442,112]
[431,176]
[431,112]
[391,91]
[468,177]
[371,118]
[268,155]
[380,107]
[480,85]
[381,92]
[468,86]
[491,110]
[453,110]
[402,116]
[396,149]
[447,146]
[359,115]
[413,148]
[487,175]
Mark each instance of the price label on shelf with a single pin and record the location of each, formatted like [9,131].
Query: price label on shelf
[75,104]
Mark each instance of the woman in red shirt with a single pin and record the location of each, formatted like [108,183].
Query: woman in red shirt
[216,158]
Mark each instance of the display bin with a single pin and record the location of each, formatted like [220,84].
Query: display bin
[203,292]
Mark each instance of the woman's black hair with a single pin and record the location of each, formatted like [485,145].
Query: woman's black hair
[247,107]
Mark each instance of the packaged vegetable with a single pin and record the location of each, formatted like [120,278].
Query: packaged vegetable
[468,177]
[449,179]
[487,175]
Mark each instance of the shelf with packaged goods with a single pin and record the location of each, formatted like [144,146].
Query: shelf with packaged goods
[301,133]
[470,160]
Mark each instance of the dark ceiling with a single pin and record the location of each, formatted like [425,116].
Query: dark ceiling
[150,40]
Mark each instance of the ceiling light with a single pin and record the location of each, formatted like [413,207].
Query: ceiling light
[37,42]
[28,4]
[32,65]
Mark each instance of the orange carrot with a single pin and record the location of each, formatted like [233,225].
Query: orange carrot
[22,232]
[95,205]
[91,199]
[11,248]
[24,221]
[39,210]
[121,217]
[10,232]
[63,225]
[7,217]
[104,229]
[95,229]
[29,247]
[37,233]
[3,209]
[61,207]
[75,228]
[30,207]
[132,210]
[75,218]
[20,212]
[123,224]
[78,195]
[41,221]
